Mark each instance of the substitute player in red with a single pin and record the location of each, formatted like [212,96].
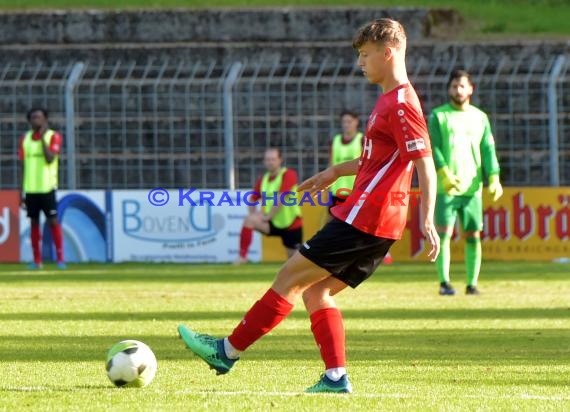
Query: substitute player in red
[350,247]
[276,218]
[39,153]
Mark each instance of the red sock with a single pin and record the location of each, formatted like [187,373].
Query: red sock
[263,316]
[245,238]
[328,330]
[57,238]
[36,238]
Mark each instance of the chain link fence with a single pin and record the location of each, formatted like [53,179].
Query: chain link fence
[205,125]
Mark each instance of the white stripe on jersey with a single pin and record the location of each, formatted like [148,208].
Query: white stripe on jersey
[356,208]
[401,95]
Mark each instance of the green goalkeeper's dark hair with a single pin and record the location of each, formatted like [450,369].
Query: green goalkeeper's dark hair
[458,74]
[387,31]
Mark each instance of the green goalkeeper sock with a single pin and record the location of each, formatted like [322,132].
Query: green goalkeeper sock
[472,259]
[444,258]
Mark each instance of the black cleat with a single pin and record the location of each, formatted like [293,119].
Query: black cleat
[471,290]
[446,289]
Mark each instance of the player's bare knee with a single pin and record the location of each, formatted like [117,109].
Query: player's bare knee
[249,222]
[308,297]
[290,292]
[318,299]
[312,302]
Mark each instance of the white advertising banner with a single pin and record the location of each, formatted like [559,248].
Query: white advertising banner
[178,225]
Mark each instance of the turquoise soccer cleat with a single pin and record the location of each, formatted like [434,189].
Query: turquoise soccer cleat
[210,349]
[326,385]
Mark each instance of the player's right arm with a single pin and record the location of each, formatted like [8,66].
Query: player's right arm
[323,180]
[436,141]
[448,179]
[348,168]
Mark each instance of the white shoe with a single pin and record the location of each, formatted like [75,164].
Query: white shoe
[240,261]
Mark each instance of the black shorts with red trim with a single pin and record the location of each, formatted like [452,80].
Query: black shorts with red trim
[41,202]
[291,238]
[349,254]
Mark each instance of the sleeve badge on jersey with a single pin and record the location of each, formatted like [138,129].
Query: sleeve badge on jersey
[416,144]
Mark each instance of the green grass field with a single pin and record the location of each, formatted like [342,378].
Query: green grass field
[408,348]
[485,18]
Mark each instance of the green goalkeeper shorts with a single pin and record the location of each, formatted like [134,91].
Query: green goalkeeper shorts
[468,208]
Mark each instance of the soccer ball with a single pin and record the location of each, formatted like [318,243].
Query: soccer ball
[131,363]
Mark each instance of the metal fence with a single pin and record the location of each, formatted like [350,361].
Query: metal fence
[205,125]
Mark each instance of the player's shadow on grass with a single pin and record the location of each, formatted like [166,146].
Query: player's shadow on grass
[467,314]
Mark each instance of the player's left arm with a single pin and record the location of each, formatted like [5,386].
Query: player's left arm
[428,187]
[489,160]
[411,135]
[52,150]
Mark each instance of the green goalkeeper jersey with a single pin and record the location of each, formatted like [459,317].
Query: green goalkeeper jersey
[462,141]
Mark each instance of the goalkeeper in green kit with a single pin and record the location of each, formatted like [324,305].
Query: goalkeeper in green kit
[464,153]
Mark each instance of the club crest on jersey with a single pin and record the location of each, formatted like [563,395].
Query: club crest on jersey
[416,144]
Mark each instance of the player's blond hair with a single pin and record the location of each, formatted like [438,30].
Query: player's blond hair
[386,31]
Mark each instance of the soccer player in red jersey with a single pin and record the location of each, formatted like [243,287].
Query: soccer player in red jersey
[350,247]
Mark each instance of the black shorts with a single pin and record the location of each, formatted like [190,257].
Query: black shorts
[347,253]
[291,239]
[335,200]
[37,202]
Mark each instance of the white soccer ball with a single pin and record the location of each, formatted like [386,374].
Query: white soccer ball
[131,363]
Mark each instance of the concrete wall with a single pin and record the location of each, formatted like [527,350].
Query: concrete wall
[222,53]
[227,35]
[226,25]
